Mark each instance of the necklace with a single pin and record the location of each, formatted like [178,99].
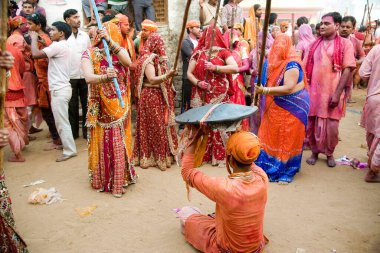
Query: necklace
[241,175]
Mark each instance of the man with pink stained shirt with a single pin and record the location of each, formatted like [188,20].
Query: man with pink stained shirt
[370,71]
[346,30]
[329,65]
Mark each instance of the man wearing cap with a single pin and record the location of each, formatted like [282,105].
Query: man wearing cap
[127,41]
[188,45]
[148,27]
[237,225]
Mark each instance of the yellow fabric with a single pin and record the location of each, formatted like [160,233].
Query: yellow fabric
[243,146]
[250,28]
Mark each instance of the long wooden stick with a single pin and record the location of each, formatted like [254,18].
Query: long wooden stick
[3,72]
[365,10]
[107,51]
[213,33]
[263,44]
[181,35]
[293,32]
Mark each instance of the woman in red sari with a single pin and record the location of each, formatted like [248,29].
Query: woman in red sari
[239,52]
[110,127]
[212,84]
[155,139]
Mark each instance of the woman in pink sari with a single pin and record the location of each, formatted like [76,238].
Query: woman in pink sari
[239,52]
[212,84]
[305,39]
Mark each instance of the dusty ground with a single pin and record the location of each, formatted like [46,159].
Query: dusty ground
[323,209]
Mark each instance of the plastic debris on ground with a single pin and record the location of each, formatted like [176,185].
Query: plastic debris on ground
[45,196]
[300,250]
[354,163]
[87,211]
[34,183]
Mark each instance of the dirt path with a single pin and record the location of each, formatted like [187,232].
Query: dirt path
[323,209]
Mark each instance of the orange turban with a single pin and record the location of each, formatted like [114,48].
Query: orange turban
[149,25]
[122,18]
[244,147]
[193,23]
[284,23]
[17,21]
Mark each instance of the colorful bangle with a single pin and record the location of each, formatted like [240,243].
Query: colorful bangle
[216,69]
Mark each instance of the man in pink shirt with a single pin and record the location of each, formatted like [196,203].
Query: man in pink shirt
[346,30]
[370,71]
[237,225]
[329,65]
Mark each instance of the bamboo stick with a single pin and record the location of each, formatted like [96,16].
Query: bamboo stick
[265,31]
[3,72]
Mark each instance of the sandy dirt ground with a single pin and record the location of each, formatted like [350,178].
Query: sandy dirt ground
[321,210]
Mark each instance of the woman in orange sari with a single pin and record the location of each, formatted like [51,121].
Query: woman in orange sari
[284,119]
[109,124]
[155,139]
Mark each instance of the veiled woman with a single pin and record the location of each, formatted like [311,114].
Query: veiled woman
[155,139]
[212,83]
[109,124]
[284,119]
[239,52]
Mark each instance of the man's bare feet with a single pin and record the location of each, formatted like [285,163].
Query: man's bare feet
[16,158]
[331,161]
[312,159]
[372,177]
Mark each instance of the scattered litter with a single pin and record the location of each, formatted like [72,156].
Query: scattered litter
[87,211]
[333,251]
[45,196]
[34,183]
[365,146]
[300,250]
[354,163]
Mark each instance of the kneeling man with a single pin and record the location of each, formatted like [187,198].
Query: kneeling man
[237,225]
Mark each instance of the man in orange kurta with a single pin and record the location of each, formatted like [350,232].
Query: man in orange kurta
[127,33]
[240,200]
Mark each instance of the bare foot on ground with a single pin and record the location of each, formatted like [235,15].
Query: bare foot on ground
[16,158]
[372,177]
[312,159]
[331,161]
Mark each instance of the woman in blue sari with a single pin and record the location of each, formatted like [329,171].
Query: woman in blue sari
[285,104]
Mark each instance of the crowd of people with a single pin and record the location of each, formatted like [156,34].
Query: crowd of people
[307,78]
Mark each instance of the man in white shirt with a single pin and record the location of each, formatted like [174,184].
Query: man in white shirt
[59,82]
[79,42]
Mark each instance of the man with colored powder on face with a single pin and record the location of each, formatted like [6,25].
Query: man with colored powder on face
[346,30]
[329,65]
